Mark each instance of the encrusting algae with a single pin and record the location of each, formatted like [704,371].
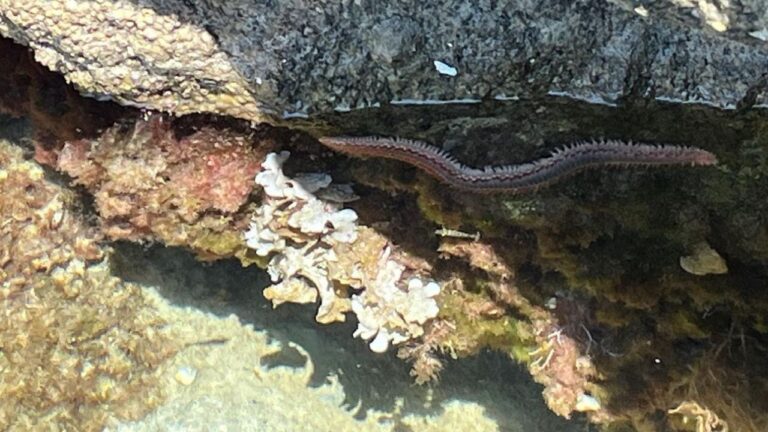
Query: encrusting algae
[77,345]
[153,180]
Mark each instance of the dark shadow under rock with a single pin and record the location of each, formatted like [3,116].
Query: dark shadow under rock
[372,380]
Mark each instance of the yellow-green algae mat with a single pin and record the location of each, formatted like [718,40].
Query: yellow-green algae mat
[77,345]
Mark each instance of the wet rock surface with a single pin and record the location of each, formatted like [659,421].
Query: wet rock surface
[277,59]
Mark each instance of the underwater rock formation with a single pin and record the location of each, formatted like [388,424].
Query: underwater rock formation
[148,184]
[569,282]
[57,111]
[263,62]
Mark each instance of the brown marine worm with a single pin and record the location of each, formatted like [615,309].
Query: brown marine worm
[522,177]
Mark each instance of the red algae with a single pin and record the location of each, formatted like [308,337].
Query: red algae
[150,184]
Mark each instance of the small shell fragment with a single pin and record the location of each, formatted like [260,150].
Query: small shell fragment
[186,375]
[587,403]
[703,261]
[57,218]
[445,69]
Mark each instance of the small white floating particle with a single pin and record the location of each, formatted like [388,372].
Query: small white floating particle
[760,34]
[445,69]
[587,403]
[186,375]
[642,11]
[551,303]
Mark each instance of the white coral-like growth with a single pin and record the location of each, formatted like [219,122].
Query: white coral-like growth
[260,236]
[299,230]
[291,224]
[278,185]
[318,217]
[389,314]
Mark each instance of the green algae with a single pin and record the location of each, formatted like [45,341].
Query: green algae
[505,333]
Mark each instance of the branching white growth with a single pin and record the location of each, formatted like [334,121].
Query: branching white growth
[290,225]
[300,231]
[388,314]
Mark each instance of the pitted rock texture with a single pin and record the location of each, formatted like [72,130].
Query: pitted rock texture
[134,55]
[742,20]
[266,60]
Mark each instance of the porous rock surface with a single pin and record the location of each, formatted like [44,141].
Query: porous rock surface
[267,60]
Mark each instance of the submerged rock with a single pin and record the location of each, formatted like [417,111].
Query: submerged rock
[703,261]
[286,59]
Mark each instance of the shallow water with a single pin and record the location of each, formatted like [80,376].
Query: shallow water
[724,205]
[370,381]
